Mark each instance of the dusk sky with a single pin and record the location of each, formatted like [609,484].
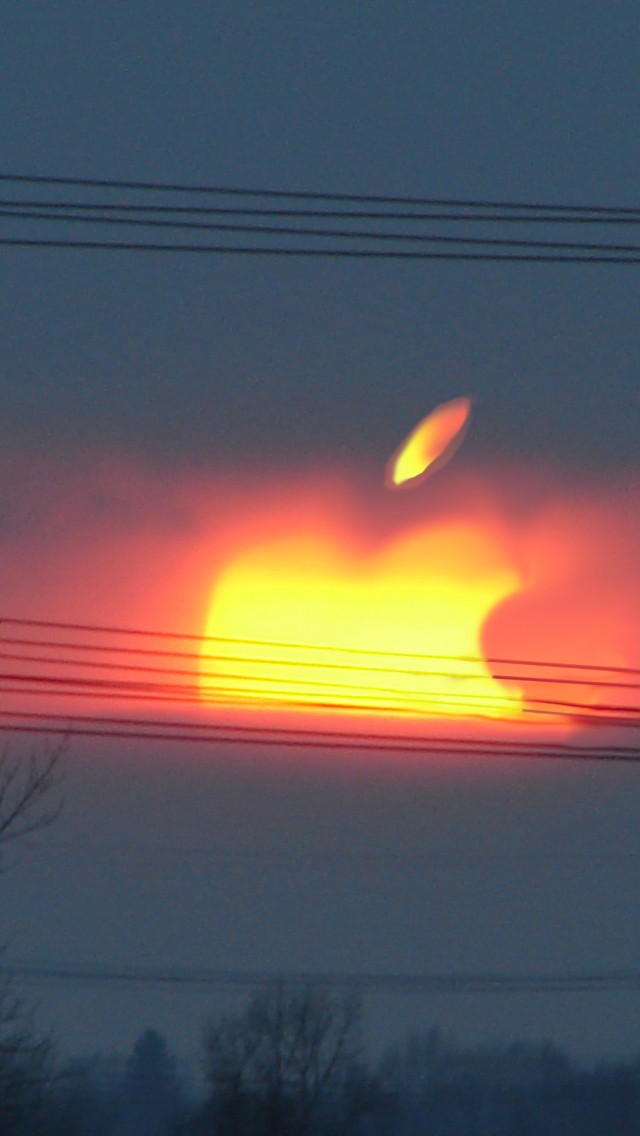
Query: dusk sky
[153,404]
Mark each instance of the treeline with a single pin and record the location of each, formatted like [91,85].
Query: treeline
[291,1064]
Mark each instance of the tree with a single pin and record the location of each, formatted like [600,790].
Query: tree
[29,802]
[289,1065]
[153,1098]
[29,797]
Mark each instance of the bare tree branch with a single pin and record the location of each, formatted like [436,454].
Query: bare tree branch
[29,792]
[30,801]
[288,1066]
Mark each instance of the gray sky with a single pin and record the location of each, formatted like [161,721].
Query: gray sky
[215,364]
[201,859]
[208,360]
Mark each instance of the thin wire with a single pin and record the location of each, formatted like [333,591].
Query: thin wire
[584,755]
[271,660]
[236,685]
[168,693]
[330,214]
[411,702]
[257,698]
[341,234]
[305,195]
[320,735]
[309,664]
[106,629]
[315,253]
[387,699]
[279,690]
[283,684]
[427,982]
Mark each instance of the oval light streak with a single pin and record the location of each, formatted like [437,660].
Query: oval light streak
[430,445]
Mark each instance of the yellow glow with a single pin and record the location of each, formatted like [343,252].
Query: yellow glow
[430,445]
[333,623]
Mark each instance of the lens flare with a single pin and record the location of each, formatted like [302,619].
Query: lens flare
[430,445]
[307,619]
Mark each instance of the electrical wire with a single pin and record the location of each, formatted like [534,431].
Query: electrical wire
[318,252]
[273,661]
[244,682]
[318,735]
[339,234]
[245,686]
[193,637]
[292,737]
[425,982]
[414,705]
[319,214]
[216,684]
[256,698]
[241,202]
[305,195]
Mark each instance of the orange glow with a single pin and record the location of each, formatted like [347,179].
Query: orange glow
[307,619]
[430,445]
[528,573]
[474,610]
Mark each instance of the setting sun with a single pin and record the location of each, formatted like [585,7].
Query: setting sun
[306,619]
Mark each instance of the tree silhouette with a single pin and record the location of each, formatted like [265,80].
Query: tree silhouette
[289,1065]
[153,1099]
[29,802]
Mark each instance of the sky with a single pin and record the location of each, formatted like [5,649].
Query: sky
[150,403]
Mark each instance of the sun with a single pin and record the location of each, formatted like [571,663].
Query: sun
[306,620]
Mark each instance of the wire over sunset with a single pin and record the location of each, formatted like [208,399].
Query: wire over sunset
[78,663]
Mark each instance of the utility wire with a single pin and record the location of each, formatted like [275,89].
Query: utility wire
[305,195]
[242,201]
[249,689]
[339,234]
[248,679]
[525,982]
[318,252]
[223,680]
[123,729]
[206,659]
[278,691]
[257,699]
[304,735]
[110,207]
[189,636]
[280,688]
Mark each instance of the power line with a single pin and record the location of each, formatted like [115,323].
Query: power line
[253,698]
[287,738]
[279,689]
[319,734]
[207,658]
[240,202]
[249,681]
[486,218]
[334,234]
[206,683]
[437,708]
[305,195]
[193,637]
[524,982]
[315,253]
[222,681]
